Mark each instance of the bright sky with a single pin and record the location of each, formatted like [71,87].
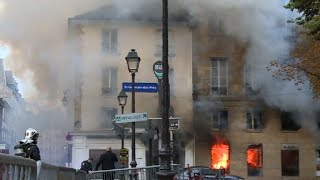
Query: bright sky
[24,86]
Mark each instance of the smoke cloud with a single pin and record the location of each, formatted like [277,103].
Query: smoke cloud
[36,32]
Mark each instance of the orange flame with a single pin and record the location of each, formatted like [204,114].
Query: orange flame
[254,157]
[219,156]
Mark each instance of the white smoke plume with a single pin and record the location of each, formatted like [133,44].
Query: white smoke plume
[36,32]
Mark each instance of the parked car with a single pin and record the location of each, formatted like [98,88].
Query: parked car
[204,173]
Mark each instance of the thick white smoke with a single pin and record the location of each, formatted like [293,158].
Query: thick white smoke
[36,32]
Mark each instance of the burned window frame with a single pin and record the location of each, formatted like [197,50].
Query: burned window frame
[287,153]
[251,170]
[216,72]
[254,120]
[288,123]
[221,117]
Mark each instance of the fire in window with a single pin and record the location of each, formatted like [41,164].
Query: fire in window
[220,155]
[254,160]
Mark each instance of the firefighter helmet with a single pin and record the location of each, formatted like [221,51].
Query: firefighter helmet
[31,134]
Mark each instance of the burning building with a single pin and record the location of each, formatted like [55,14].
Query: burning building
[218,88]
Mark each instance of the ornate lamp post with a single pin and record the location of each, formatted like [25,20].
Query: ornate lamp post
[122,99]
[133,61]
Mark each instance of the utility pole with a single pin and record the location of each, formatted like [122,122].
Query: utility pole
[165,172]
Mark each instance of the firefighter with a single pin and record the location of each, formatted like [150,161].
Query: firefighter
[28,146]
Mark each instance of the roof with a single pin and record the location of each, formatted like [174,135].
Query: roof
[146,11]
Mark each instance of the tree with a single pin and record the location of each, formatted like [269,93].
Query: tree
[310,15]
[303,64]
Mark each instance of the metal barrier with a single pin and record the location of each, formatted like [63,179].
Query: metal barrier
[14,167]
[143,173]
[19,168]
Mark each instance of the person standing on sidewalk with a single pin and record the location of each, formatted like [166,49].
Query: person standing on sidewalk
[108,160]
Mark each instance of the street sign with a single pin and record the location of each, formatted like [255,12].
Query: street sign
[3,146]
[133,117]
[158,70]
[173,122]
[140,87]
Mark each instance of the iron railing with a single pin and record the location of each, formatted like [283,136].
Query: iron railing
[19,168]
[141,173]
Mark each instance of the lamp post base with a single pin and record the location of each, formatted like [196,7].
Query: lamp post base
[133,173]
[165,172]
[165,175]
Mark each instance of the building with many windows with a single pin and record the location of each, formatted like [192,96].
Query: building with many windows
[223,121]
[11,110]
[102,39]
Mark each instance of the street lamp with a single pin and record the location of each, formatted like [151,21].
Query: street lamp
[133,61]
[122,99]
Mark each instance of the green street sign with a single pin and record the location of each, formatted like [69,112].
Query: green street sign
[158,70]
[133,117]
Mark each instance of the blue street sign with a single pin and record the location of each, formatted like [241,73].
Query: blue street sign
[140,87]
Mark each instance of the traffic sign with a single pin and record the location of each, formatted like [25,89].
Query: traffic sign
[140,87]
[173,122]
[133,117]
[157,69]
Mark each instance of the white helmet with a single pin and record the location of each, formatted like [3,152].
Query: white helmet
[31,134]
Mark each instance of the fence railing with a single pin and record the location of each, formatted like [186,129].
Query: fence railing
[141,173]
[19,168]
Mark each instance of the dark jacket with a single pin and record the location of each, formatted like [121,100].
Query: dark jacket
[86,166]
[107,160]
[32,152]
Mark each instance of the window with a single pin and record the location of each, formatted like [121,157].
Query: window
[215,26]
[109,81]
[219,76]
[318,160]
[172,82]
[288,123]
[109,41]
[290,160]
[171,45]
[249,81]
[254,120]
[255,160]
[108,115]
[220,120]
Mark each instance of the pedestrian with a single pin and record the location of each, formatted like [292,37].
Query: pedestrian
[87,165]
[108,160]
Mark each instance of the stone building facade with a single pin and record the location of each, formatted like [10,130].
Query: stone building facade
[224,123]
[11,110]
[102,39]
